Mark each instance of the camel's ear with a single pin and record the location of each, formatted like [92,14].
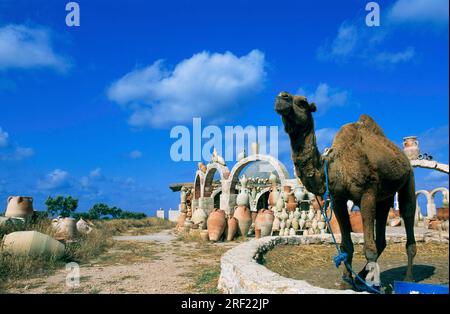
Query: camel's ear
[312,107]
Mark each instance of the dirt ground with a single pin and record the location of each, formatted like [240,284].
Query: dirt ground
[313,263]
[158,263]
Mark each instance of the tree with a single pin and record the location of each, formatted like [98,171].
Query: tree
[61,206]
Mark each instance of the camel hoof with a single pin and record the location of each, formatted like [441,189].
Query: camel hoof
[347,283]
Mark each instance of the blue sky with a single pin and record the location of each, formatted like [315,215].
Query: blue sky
[87,110]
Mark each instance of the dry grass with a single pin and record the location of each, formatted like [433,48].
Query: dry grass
[87,247]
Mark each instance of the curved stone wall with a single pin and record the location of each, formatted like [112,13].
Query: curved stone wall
[241,273]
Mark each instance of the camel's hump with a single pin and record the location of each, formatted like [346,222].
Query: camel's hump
[369,123]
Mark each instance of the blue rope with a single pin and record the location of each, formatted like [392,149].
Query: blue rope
[341,257]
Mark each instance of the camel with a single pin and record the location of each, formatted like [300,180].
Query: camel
[364,166]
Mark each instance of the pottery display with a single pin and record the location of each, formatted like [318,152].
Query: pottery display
[299,193]
[286,232]
[32,243]
[244,218]
[301,223]
[276,224]
[297,213]
[411,147]
[356,221]
[264,222]
[232,228]
[243,198]
[295,224]
[303,215]
[273,196]
[216,224]
[292,232]
[19,206]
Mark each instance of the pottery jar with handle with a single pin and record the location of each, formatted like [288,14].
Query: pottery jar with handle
[216,224]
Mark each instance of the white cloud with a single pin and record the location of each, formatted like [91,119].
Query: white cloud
[135,154]
[28,47]
[206,85]
[419,11]
[326,97]
[12,151]
[325,138]
[56,179]
[396,57]
[3,138]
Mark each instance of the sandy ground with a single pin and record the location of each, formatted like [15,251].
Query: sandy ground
[157,263]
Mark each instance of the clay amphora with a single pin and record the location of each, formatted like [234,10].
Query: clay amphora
[32,243]
[232,228]
[216,224]
[264,222]
[19,206]
[244,218]
[411,147]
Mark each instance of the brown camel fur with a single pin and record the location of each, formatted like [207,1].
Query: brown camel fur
[363,166]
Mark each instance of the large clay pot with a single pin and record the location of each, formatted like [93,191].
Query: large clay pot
[356,222]
[83,227]
[442,213]
[19,206]
[66,228]
[199,216]
[264,222]
[32,243]
[291,206]
[233,226]
[216,224]
[244,218]
[411,147]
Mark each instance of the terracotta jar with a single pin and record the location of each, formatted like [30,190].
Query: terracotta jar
[216,224]
[257,233]
[334,223]
[316,205]
[264,222]
[244,218]
[356,222]
[19,206]
[411,147]
[232,228]
[83,227]
[442,213]
[273,196]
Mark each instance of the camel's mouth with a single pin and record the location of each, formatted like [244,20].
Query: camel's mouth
[283,104]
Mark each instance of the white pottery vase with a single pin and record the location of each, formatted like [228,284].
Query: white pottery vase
[299,193]
[321,225]
[311,214]
[303,215]
[280,204]
[276,224]
[295,224]
[301,223]
[282,225]
[288,223]
[243,198]
[199,216]
[314,225]
[284,214]
[297,213]
[292,232]
[286,232]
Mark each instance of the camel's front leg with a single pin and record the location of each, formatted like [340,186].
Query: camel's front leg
[368,213]
[340,210]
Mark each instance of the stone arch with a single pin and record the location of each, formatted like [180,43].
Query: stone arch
[211,170]
[216,193]
[280,169]
[430,212]
[254,203]
[198,182]
[433,193]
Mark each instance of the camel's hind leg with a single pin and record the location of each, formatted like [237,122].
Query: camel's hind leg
[407,204]
[381,214]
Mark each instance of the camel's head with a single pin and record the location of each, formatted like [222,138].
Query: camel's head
[295,111]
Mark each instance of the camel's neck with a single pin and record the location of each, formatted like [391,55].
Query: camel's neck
[307,161]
